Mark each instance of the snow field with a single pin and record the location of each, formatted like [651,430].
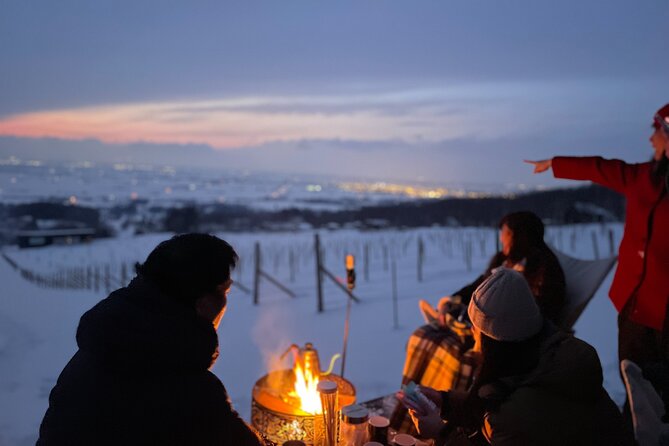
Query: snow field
[37,325]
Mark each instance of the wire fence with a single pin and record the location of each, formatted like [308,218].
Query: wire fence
[287,258]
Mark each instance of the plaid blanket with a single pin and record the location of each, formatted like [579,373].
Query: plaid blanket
[439,357]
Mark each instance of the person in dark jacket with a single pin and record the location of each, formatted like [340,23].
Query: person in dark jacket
[141,374]
[523,249]
[535,385]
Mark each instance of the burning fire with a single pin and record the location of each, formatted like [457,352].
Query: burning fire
[306,390]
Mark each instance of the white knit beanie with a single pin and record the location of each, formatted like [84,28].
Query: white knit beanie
[503,307]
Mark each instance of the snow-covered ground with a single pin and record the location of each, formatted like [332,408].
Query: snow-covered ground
[37,325]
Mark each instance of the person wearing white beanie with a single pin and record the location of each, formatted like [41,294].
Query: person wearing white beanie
[535,386]
[504,309]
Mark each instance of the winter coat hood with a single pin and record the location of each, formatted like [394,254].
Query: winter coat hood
[137,328]
[568,367]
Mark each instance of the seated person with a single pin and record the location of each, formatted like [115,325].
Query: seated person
[523,249]
[141,374]
[535,385]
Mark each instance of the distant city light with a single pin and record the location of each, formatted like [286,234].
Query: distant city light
[314,188]
[134,195]
[72,200]
[398,189]
[409,191]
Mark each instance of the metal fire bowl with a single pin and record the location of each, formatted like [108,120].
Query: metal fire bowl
[273,414]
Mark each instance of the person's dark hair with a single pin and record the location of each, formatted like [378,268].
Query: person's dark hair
[541,266]
[188,266]
[528,233]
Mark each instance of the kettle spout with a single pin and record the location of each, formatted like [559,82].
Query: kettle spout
[294,349]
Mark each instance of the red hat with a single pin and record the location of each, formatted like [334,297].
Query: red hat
[661,119]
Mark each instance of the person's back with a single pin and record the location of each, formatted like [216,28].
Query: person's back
[141,374]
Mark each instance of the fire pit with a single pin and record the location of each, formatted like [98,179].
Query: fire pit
[282,411]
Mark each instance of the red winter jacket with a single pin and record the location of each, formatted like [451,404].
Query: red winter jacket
[643,262]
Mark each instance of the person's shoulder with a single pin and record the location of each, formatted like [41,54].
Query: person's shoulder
[208,381]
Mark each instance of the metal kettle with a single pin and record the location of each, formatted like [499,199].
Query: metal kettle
[307,359]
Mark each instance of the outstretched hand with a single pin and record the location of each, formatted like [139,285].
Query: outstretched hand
[540,166]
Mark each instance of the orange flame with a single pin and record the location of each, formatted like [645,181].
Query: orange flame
[306,390]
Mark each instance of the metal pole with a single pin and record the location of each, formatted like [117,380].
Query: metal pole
[346,328]
[319,276]
[394,281]
[595,245]
[366,262]
[256,277]
[421,250]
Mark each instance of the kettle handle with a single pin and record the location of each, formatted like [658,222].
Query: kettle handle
[332,363]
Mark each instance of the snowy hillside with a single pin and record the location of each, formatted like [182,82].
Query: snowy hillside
[37,325]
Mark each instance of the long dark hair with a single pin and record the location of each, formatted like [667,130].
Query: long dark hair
[528,234]
[542,268]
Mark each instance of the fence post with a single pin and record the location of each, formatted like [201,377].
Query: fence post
[256,275]
[366,262]
[396,322]
[572,240]
[291,264]
[595,245]
[319,273]
[421,253]
[107,278]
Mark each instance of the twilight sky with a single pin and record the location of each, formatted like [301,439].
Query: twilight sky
[452,91]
